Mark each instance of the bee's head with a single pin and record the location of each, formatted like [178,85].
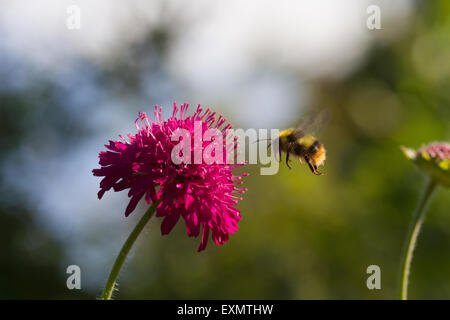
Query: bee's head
[286,133]
[284,138]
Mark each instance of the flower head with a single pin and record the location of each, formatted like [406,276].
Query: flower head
[434,159]
[204,195]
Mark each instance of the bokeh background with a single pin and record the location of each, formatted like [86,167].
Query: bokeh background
[64,93]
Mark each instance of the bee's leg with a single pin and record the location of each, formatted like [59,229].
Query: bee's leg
[301,160]
[288,152]
[312,166]
[274,143]
[287,160]
[320,173]
[308,161]
[317,172]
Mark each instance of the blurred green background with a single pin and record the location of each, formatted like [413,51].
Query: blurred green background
[64,93]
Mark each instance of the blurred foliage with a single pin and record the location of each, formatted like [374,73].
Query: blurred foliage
[30,263]
[301,236]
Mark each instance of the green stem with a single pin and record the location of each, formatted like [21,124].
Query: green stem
[411,239]
[109,287]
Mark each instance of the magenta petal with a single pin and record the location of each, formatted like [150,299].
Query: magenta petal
[169,222]
[205,236]
[192,224]
[150,195]
[133,203]
[101,193]
[220,237]
[189,201]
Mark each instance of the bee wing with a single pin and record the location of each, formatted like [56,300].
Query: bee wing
[298,133]
[313,123]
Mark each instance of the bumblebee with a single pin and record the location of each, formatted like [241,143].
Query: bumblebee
[295,142]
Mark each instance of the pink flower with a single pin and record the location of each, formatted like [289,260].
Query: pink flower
[433,159]
[203,194]
[438,150]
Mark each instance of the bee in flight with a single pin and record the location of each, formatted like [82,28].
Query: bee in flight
[299,142]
